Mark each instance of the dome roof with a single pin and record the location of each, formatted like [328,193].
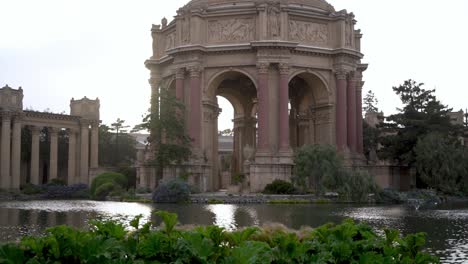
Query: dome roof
[319,4]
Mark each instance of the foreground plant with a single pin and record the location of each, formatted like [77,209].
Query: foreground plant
[112,242]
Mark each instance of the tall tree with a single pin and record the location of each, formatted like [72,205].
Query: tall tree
[113,153]
[169,141]
[421,113]
[370,103]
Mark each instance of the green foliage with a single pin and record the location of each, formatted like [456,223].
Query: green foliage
[107,183]
[169,140]
[279,187]
[289,201]
[441,163]
[316,164]
[112,242]
[173,191]
[57,182]
[321,167]
[370,103]
[421,113]
[238,178]
[30,189]
[116,146]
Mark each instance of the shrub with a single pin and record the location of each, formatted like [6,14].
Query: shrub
[279,187]
[316,165]
[238,178]
[322,167]
[75,191]
[112,242]
[114,182]
[31,189]
[57,182]
[173,191]
[106,189]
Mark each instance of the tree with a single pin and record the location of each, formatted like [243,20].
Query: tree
[421,113]
[227,132]
[370,103]
[116,150]
[118,127]
[441,163]
[169,142]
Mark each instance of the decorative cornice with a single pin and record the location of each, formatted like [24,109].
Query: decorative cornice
[50,116]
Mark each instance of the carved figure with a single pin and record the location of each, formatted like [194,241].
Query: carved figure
[348,33]
[274,21]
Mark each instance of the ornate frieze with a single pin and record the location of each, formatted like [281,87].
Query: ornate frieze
[231,30]
[308,32]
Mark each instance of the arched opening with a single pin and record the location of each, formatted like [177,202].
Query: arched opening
[235,93]
[309,111]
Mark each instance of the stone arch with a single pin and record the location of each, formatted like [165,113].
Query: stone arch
[221,75]
[310,111]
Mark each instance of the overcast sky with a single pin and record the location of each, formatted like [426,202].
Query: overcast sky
[59,49]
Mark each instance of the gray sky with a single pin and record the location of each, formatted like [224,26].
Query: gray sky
[59,49]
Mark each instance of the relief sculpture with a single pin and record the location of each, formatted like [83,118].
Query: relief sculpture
[170,41]
[231,30]
[308,32]
[274,21]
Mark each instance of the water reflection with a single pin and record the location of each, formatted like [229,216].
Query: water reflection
[446,226]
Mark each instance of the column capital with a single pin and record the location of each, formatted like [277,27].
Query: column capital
[263,67]
[73,131]
[6,115]
[195,71]
[154,81]
[284,68]
[85,123]
[341,74]
[35,129]
[180,73]
[53,130]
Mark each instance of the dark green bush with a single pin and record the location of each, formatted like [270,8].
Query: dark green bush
[113,181]
[173,191]
[57,182]
[111,242]
[107,189]
[31,189]
[279,187]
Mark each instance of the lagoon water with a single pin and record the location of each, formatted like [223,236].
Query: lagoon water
[446,226]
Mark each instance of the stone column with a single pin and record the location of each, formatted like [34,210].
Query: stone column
[5,151]
[53,132]
[84,152]
[94,145]
[180,78]
[35,155]
[351,113]
[359,135]
[195,106]
[16,153]
[154,81]
[341,108]
[283,108]
[71,157]
[263,104]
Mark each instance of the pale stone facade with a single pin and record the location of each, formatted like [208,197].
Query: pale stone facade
[291,69]
[81,127]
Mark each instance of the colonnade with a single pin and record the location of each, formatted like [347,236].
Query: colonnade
[83,140]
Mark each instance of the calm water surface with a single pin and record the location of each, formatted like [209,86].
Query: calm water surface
[447,226]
